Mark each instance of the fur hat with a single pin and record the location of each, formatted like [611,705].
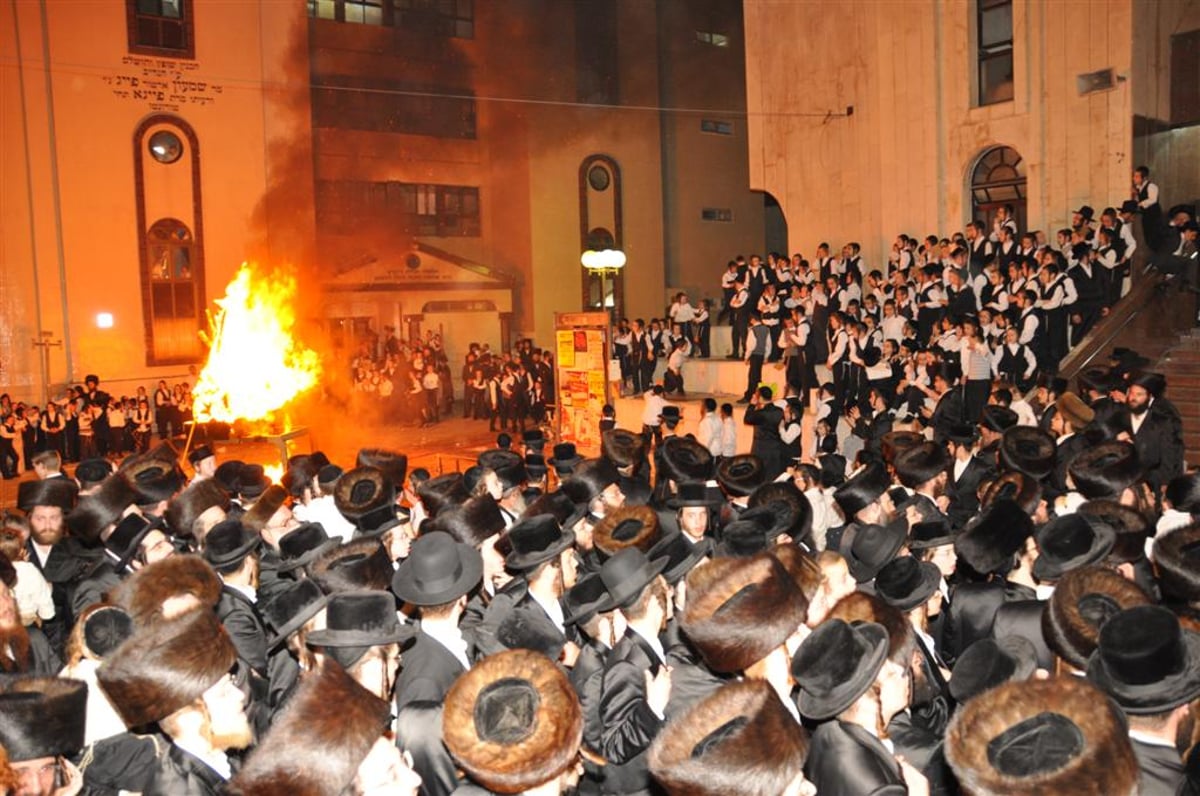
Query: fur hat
[167,666]
[682,555]
[628,526]
[531,630]
[739,739]
[1183,492]
[1070,542]
[990,541]
[90,472]
[228,474]
[366,497]
[513,721]
[272,499]
[289,607]
[740,475]
[1018,487]
[143,593]
[1131,526]
[153,480]
[997,418]
[56,491]
[893,443]
[1029,450]
[331,724]
[622,447]
[590,478]
[1082,602]
[1041,738]
[1105,470]
[1073,410]
[508,466]
[186,507]
[42,717]
[301,470]
[741,609]
[1177,554]
[836,664]
[440,492]
[353,566]
[799,510]
[862,489]
[393,465]
[906,582]
[685,459]
[302,545]
[920,463]
[473,522]
[102,508]
[1153,383]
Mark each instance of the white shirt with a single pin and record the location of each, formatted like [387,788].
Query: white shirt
[323,510]
[708,433]
[728,437]
[249,592]
[213,758]
[654,643]
[652,413]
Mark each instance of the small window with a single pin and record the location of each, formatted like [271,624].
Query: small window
[1185,78]
[716,127]
[160,27]
[716,214]
[365,12]
[995,50]
[714,39]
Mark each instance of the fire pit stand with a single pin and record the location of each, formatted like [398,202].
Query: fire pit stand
[281,441]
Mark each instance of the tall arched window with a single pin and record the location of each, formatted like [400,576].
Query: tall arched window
[174,302]
[998,180]
[600,227]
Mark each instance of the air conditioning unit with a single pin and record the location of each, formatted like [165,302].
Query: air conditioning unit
[1092,82]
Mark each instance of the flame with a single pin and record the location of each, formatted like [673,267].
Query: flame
[274,472]
[255,366]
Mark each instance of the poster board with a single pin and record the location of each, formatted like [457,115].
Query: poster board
[581,353]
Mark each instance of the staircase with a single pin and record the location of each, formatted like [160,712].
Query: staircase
[1181,365]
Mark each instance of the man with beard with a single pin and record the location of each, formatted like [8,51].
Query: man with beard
[60,559]
[176,674]
[22,650]
[1157,429]
[43,726]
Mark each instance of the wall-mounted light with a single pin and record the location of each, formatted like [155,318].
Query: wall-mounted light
[104,320]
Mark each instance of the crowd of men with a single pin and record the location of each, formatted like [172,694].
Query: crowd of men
[995,608]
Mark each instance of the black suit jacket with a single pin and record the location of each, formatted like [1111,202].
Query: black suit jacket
[427,670]
[767,445]
[1024,618]
[1159,443]
[1063,456]
[1160,768]
[629,725]
[846,760]
[587,677]
[181,773]
[972,611]
[963,493]
[240,617]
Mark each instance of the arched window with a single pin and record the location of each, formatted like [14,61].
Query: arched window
[174,302]
[600,228]
[998,180]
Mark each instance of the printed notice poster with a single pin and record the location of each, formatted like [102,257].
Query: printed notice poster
[581,342]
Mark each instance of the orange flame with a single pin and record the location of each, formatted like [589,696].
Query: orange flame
[274,472]
[255,366]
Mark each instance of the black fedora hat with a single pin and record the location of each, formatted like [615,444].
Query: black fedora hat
[355,621]
[868,548]
[836,664]
[747,535]
[681,554]
[740,475]
[685,459]
[122,544]
[290,606]
[228,474]
[1146,662]
[228,543]
[565,457]
[693,493]
[990,662]
[536,540]
[535,466]
[1070,542]
[1084,210]
[627,573]
[588,597]
[437,570]
[1129,206]
[1029,450]
[199,454]
[302,545]
[905,582]
[930,533]
[251,482]
[862,489]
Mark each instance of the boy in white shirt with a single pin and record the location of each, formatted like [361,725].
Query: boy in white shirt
[33,594]
[728,431]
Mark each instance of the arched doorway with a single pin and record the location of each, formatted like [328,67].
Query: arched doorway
[998,180]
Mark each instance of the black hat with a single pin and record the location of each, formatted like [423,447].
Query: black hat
[356,621]
[962,433]
[56,491]
[1129,206]
[585,599]
[533,437]
[1177,554]
[990,541]
[394,465]
[302,545]
[1105,470]
[1153,383]
[530,630]
[741,474]
[627,573]
[199,454]
[693,493]
[790,505]
[443,491]
[836,665]
[1082,602]
[252,481]
[128,534]
[190,504]
[681,554]
[105,627]
[472,523]
[359,565]
[1146,662]
[1029,450]
[671,414]
[535,465]
[228,543]
[565,458]
[1181,208]
[685,459]
[745,536]
[998,418]
[90,472]
[299,475]
[921,463]
[906,582]
[622,447]
[1086,211]
[228,474]
[366,497]
[290,606]
[536,540]
[508,466]
[868,548]
[990,662]
[1070,542]
[931,533]
[438,570]
[328,476]
[833,469]
[42,717]
[1018,487]
[102,508]
[862,489]
[590,478]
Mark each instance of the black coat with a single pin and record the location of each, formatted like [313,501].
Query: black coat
[1159,443]
[122,763]
[587,677]
[239,615]
[629,723]
[972,610]
[427,670]
[1160,768]
[94,587]
[1064,454]
[963,493]
[767,445]
[846,760]
[1024,618]
[179,773]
